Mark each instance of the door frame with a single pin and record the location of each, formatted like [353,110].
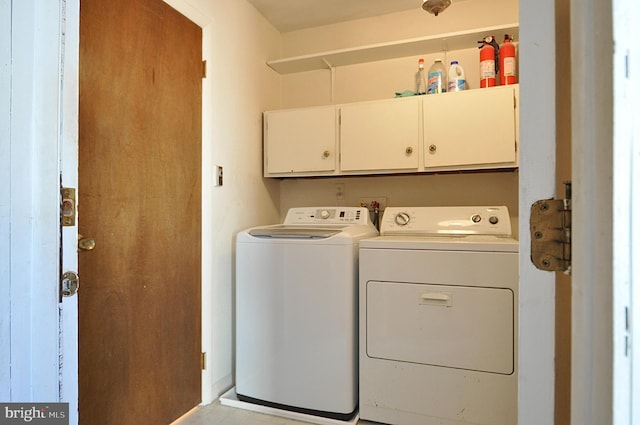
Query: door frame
[604,82]
[70,56]
[36,86]
[5,194]
[537,172]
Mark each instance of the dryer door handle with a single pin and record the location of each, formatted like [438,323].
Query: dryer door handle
[436,298]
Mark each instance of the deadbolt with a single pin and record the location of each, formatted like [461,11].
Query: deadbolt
[85,244]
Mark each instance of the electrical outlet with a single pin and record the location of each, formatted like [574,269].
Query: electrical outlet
[370,200]
[339,191]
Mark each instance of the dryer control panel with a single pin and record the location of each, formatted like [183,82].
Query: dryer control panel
[327,215]
[446,221]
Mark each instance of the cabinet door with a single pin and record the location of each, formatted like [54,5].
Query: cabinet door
[470,128]
[302,140]
[380,135]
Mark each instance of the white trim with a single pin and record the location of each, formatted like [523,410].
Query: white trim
[634,89]
[34,201]
[592,130]
[5,199]
[626,255]
[70,44]
[623,116]
[537,181]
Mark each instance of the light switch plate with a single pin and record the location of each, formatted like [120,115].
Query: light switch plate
[217,178]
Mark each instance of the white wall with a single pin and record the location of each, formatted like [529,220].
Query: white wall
[237,41]
[461,15]
[424,190]
[381,79]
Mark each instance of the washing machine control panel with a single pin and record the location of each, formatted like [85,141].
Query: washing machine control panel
[328,215]
[446,221]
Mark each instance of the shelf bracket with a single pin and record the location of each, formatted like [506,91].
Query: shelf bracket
[332,70]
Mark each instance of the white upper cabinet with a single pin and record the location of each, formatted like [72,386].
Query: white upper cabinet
[300,141]
[471,129]
[382,135]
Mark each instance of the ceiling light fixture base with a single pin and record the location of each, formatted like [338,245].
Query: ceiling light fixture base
[435,6]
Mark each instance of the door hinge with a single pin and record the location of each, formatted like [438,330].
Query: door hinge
[550,228]
[68,207]
[204,69]
[203,360]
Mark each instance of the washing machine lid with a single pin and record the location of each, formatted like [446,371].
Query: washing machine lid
[295,232]
[341,225]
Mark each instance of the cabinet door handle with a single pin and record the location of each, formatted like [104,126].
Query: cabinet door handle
[409,150]
[433,148]
[326,154]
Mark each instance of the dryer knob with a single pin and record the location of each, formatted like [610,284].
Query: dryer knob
[402,219]
[324,214]
[493,219]
[476,218]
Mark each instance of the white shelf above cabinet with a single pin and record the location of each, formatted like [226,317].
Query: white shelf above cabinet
[391,50]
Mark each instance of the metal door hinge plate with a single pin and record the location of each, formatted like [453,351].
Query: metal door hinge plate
[203,360]
[550,228]
[70,282]
[68,207]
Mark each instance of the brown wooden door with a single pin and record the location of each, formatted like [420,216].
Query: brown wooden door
[140,199]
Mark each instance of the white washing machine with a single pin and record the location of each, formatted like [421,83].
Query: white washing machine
[439,318]
[296,311]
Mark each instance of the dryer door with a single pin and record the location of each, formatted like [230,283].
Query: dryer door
[451,326]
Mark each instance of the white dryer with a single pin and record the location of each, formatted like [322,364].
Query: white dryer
[296,311]
[439,318]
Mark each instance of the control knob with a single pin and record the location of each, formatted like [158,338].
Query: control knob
[402,219]
[324,214]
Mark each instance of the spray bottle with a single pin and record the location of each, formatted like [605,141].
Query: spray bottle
[421,80]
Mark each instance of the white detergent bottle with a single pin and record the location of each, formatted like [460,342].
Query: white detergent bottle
[437,78]
[457,81]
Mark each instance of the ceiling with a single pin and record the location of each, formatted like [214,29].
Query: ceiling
[291,15]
